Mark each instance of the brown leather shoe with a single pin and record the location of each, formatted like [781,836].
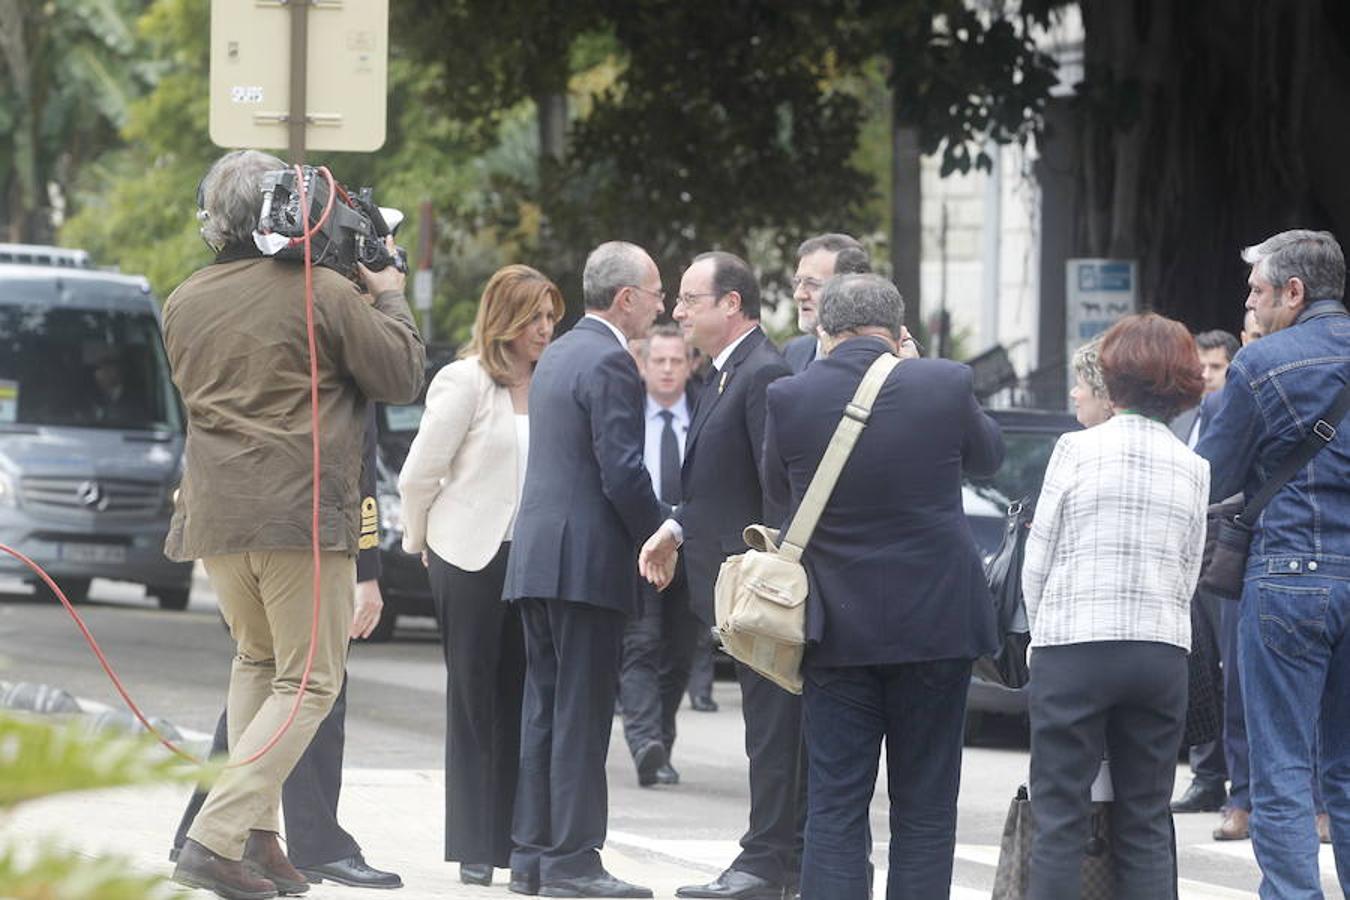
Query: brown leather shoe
[1235,825]
[1324,828]
[263,854]
[198,867]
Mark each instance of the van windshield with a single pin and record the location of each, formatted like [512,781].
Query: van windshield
[92,368]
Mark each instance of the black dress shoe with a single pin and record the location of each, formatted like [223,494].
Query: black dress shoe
[703,704]
[476,873]
[352,872]
[522,883]
[667,775]
[1199,798]
[602,885]
[649,760]
[734,884]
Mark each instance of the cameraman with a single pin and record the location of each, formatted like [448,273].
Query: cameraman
[236,339]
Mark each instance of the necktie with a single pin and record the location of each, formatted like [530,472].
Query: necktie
[670,460]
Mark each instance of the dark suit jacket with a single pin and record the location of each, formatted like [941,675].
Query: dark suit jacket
[800,351]
[588,503]
[721,476]
[1205,410]
[895,576]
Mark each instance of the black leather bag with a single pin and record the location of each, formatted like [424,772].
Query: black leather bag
[1008,666]
[1232,534]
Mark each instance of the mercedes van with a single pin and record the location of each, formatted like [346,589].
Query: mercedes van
[91,429]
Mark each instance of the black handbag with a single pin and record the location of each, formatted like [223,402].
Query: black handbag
[1014,855]
[1204,700]
[1232,534]
[1008,666]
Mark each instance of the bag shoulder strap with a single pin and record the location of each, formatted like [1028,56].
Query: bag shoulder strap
[1323,432]
[845,436]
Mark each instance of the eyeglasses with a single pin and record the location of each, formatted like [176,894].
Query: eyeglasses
[811,284]
[689,299]
[658,294]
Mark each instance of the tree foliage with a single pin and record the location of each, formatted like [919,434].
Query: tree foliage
[39,758]
[68,72]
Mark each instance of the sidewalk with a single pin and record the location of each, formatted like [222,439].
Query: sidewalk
[397,815]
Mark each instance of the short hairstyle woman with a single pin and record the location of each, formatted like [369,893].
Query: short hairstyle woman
[510,301]
[1151,366]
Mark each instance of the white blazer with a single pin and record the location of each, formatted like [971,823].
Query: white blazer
[460,484]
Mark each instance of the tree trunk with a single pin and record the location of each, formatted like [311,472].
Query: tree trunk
[906,213]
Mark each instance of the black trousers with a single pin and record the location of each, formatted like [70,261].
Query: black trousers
[772,845]
[485,678]
[309,796]
[1127,699]
[658,647]
[918,709]
[562,803]
[701,666]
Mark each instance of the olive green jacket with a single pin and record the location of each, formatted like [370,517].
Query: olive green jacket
[236,340]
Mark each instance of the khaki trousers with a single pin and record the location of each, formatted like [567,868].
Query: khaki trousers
[267,600]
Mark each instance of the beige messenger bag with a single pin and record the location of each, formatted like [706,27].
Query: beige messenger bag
[761,593]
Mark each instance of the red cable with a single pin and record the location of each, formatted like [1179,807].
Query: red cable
[314,515]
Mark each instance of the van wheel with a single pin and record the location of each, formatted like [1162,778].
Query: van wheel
[384,629]
[175,599]
[75,589]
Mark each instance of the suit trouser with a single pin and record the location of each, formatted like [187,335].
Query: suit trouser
[485,677]
[772,844]
[1127,699]
[309,797]
[571,676]
[265,597]
[919,708]
[701,664]
[658,646]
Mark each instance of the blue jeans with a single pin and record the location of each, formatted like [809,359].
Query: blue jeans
[920,709]
[1294,657]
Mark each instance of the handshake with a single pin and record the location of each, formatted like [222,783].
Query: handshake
[656,560]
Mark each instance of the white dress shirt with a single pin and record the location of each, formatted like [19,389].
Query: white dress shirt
[623,341]
[656,424]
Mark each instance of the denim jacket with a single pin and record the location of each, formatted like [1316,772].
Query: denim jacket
[1277,388]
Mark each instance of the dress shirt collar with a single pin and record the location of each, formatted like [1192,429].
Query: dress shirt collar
[612,327]
[680,409]
[720,360]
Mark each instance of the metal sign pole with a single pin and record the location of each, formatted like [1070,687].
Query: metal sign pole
[299,70]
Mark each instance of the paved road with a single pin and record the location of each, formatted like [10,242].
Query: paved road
[176,665]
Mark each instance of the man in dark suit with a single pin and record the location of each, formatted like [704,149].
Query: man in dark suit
[819,259]
[718,308]
[660,638]
[587,504]
[317,846]
[1208,790]
[898,606]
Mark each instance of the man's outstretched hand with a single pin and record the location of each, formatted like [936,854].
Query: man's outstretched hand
[656,561]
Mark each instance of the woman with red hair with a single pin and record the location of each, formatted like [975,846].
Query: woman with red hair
[1111,563]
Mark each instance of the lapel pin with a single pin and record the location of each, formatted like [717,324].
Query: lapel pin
[722,383]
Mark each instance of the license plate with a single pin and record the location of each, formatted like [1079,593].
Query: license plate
[93,553]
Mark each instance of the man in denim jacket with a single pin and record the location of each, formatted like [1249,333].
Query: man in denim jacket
[1294,619]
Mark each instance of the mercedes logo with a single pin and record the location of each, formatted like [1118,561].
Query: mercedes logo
[90,493]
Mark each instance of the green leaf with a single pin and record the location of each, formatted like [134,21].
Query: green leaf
[39,758]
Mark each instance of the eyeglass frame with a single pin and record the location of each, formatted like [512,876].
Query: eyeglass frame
[660,294]
[811,284]
[687,300]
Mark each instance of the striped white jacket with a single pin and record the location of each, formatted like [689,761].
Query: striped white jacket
[1115,547]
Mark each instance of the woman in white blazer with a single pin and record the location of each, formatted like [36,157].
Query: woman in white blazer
[461,488]
[1111,563]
